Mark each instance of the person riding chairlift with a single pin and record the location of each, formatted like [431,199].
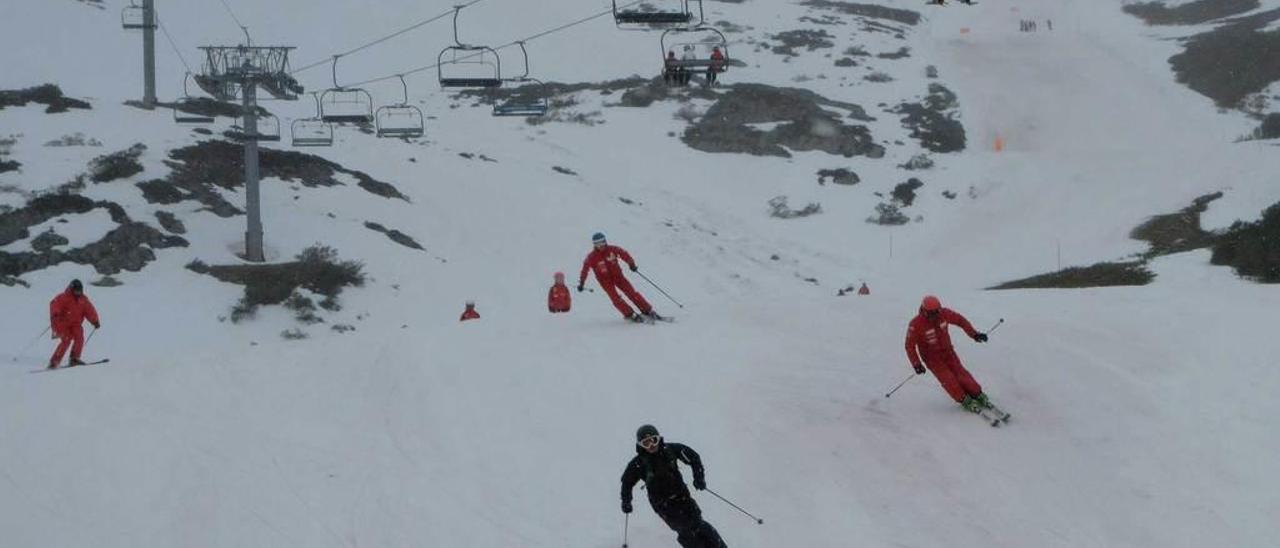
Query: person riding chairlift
[716,66]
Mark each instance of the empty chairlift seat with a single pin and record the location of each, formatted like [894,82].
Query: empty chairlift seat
[466,66]
[133,17]
[658,15]
[311,132]
[522,96]
[400,120]
[186,110]
[343,105]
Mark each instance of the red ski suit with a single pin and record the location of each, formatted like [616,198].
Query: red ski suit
[928,338]
[67,312]
[558,299]
[469,314]
[603,261]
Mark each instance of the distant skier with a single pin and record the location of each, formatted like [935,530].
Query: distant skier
[558,298]
[657,463]
[603,261]
[470,312]
[927,338]
[716,66]
[67,313]
[670,68]
[864,290]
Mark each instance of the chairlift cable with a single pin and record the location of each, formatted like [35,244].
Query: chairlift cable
[172,44]
[232,13]
[384,38]
[504,46]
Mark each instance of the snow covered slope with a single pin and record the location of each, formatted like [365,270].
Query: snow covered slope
[1142,415]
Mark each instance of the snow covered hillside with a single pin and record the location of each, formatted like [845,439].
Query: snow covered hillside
[1142,415]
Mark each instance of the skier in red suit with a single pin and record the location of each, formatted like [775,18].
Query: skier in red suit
[927,338]
[603,260]
[558,298]
[67,312]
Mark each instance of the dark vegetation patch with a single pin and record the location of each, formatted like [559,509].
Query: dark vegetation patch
[9,165]
[129,246]
[1098,275]
[803,124]
[205,106]
[317,269]
[917,162]
[779,208]
[1269,129]
[933,121]
[905,193]
[888,214]
[1176,232]
[200,170]
[48,94]
[870,26]
[1252,248]
[117,165]
[106,281]
[48,240]
[395,235]
[564,171]
[824,20]
[1191,13]
[902,53]
[170,223]
[76,139]
[845,62]
[867,10]
[1232,61]
[839,176]
[811,40]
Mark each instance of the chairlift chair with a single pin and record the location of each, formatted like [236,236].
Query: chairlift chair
[530,99]
[341,105]
[186,117]
[400,120]
[484,61]
[133,17]
[311,132]
[695,54]
[675,14]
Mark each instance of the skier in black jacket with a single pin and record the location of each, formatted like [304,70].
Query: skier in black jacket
[656,462]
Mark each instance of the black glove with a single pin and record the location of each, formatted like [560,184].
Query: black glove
[919,369]
[700,484]
[634,268]
[580,288]
[980,337]
[626,507]
[97,326]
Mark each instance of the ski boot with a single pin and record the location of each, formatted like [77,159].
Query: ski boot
[636,318]
[971,404]
[652,316]
[75,362]
[983,401]
[52,365]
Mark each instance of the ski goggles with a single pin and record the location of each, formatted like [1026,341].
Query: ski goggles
[650,442]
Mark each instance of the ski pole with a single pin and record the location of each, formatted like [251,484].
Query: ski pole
[33,341]
[86,341]
[738,508]
[626,524]
[900,385]
[655,286]
[993,328]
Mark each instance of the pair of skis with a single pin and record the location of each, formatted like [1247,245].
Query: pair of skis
[994,415]
[46,370]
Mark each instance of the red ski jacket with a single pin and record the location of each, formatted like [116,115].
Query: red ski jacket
[469,314]
[67,311]
[604,262]
[558,299]
[929,338]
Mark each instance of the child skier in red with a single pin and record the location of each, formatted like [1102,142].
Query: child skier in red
[927,338]
[470,312]
[558,298]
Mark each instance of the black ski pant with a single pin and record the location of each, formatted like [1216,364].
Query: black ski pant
[682,515]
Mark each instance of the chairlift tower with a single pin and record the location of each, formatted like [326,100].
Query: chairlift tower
[135,17]
[232,71]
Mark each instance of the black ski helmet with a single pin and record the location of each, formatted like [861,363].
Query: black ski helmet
[76,286]
[646,431]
